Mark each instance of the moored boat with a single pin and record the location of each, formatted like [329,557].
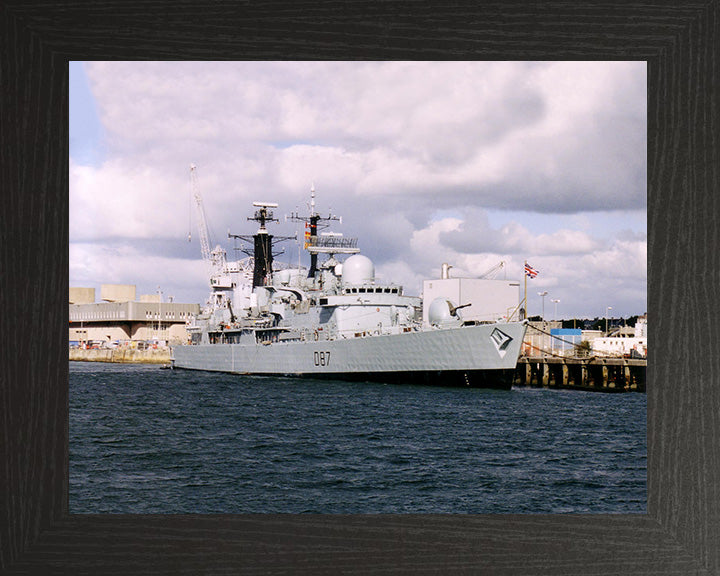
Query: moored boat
[336,320]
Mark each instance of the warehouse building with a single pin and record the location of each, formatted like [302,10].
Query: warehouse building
[121,319]
[631,342]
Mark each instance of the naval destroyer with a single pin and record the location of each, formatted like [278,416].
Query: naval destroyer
[335,320]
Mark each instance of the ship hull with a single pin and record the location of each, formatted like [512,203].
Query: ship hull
[500,379]
[475,356]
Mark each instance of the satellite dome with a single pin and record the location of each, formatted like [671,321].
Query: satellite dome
[283,277]
[358,269]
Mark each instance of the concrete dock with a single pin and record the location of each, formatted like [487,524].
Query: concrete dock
[600,374]
[121,355]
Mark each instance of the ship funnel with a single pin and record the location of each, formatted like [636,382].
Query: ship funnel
[445,271]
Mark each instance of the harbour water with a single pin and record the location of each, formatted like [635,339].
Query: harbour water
[145,440]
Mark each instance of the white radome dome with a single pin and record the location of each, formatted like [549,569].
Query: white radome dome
[283,277]
[358,269]
[439,312]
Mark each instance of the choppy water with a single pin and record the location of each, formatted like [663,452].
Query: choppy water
[145,440]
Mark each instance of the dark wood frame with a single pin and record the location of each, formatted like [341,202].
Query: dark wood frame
[680,534]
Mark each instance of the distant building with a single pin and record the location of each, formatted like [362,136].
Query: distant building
[539,339]
[565,341]
[121,320]
[632,342]
[551,339]
[641,327]
[591,335]
[82,295]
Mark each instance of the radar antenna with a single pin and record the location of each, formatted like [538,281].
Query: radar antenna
[262,242]
[315,244]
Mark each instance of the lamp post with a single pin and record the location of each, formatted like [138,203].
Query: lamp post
[543,294]
[555,301]
[159,332]
[606,318]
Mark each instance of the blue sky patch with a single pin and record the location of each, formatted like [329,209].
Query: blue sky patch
[86,130]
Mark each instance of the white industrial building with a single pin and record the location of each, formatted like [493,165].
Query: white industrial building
[632,344]
[122,319]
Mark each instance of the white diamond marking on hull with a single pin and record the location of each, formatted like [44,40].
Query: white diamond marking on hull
[501,341]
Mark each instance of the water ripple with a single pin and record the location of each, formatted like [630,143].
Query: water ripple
[144,440]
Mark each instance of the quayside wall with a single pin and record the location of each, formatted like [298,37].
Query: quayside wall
[593,374]
[121,355]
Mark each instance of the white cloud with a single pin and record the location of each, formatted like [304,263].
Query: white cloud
[94,264]
[622,260]
[406,126]
[126,200]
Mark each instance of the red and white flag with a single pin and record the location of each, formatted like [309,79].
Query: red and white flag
[530,271]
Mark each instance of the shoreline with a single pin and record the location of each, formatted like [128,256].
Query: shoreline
[121,356]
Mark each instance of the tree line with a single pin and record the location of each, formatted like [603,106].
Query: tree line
[593,324]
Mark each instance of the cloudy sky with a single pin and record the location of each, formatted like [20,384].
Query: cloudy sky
[470,163]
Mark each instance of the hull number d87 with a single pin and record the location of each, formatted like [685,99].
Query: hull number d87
[321,358]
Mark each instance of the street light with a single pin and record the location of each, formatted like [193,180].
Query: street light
[555,301]
[159,332]
[543,294]
[606,318]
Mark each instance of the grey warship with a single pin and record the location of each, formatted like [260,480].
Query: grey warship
[335,320]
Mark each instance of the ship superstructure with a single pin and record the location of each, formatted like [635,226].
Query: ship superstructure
[336,320]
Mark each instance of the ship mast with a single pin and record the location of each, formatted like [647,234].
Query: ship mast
[262,243]
[311,233]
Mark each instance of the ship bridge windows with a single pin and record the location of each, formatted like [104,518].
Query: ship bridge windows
[371,290]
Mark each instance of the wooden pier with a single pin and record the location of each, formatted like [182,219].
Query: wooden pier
[594,373]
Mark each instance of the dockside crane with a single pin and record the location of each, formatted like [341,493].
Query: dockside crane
[202,222]
[494,271]
[216,259]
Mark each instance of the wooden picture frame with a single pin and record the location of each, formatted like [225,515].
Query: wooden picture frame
[680,534]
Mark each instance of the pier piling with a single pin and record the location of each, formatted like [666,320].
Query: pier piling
[599,374]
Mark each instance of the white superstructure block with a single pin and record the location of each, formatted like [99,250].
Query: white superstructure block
[491,300]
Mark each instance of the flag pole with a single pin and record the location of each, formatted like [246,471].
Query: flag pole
[525,297]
